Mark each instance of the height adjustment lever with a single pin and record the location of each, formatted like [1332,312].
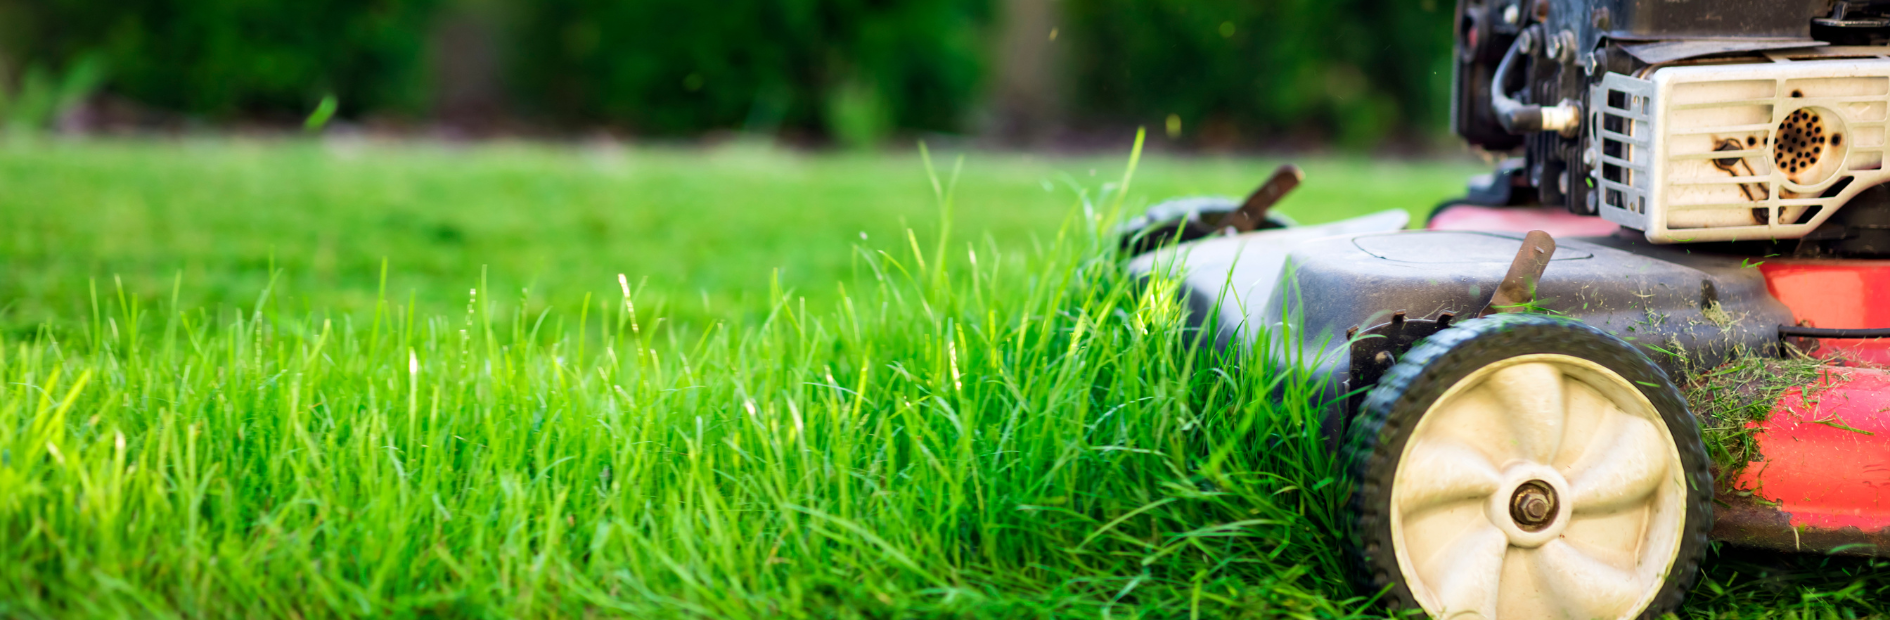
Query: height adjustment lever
[1518,288]
[1252,214]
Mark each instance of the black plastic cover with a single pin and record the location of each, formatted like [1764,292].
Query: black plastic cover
[1657,20]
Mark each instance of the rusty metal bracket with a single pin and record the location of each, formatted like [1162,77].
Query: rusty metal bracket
[1519,285]
[1376,348]
[1252,214]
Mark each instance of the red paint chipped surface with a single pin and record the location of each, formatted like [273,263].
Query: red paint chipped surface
[1827,452]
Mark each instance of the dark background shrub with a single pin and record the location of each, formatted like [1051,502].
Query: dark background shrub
[1350,69]
[225,58]
[1232,71]
[683,66]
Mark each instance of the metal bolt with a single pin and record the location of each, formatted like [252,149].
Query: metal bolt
[1562,46]
[1533,506]
[1536,508]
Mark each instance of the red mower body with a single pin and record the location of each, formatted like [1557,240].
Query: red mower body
[1837,294]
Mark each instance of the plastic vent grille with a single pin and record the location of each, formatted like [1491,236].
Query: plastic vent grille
[1758,150]
[1622,126]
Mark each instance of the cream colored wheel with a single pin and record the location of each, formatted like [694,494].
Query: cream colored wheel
[1541,485]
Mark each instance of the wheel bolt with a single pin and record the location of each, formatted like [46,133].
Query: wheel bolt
[1533,506]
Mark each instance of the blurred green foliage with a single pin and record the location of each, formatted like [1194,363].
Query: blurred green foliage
[1229,71]
[684,66]
[1352,70]
[221,58]
[44,95]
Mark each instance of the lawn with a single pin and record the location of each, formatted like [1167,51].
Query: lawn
[276,379]
[705,233]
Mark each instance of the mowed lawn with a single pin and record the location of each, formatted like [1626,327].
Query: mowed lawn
[706,232]
[301,379]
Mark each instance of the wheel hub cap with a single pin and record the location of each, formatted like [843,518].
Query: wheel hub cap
[1540,486]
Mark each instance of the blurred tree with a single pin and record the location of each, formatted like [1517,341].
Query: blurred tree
[466,60]
[1028,93]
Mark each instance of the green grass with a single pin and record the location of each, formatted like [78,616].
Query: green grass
[704,232]
[211,405]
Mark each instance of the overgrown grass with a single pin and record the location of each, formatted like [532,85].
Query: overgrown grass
[975,432]
[968,428]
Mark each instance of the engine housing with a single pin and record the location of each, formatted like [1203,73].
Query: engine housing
[1739,151]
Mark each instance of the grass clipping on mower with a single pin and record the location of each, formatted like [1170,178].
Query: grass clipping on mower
[1727,399]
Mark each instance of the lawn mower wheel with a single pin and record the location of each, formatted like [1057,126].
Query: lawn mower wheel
[1528,466]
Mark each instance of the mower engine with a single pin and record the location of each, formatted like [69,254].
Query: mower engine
[1689,120]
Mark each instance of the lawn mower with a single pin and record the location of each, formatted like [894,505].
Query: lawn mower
[1658,323]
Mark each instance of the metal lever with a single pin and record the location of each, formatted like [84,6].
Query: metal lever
[1519,285]
[1252,214]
